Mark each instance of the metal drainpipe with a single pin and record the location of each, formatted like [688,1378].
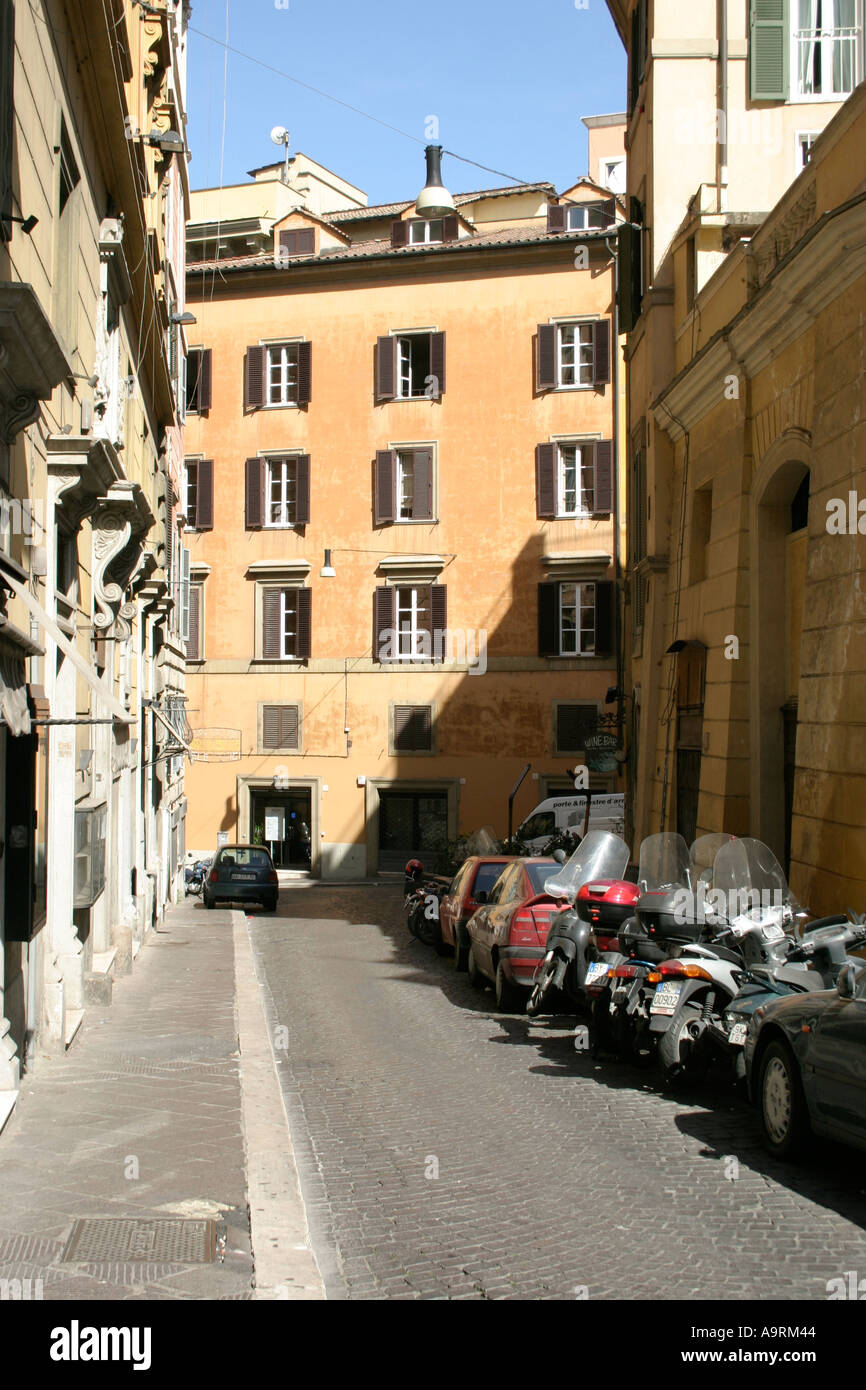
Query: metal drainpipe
[617,463]
[723,106]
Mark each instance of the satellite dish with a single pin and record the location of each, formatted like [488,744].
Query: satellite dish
[280,135]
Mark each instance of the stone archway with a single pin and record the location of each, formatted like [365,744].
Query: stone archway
[777,572]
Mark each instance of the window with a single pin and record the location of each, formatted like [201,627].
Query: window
[281,499]
[542,823]
[573,355]
[638,50]
[194,642]
[575,618]
[278,375]
[572,723]
[69,175]
[702,520]
[277,491]
[574,479]
[285,624]
[297,241]
[404,485]
[410,366]
[587,215]
[197,496]
[198,381]
[412,729]
[66,241]
[90,823]
[805,141]
[425,230]
[827,36]
[410,622]
[613,174]
[280,727]
[691,271]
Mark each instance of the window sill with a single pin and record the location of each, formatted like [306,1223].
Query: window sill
[281,405]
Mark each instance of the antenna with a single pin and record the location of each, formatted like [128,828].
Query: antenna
[280,136]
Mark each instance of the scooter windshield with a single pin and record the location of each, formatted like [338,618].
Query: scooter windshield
[600,855]
[664,862]
[750,880]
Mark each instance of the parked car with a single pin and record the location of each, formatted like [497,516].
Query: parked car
[469,889]
[242,873]
[806,1065]
[507,934]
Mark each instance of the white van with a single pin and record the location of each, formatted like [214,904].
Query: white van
[606,812]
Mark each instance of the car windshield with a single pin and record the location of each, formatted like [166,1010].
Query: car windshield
[538,874]
[486,877]
[244,858]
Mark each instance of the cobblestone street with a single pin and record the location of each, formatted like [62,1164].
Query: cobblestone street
[556,1174]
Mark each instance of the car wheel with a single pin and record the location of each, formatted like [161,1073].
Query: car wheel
[270,905]
[507,995]
[784,1115]
[476,979]
[209,902]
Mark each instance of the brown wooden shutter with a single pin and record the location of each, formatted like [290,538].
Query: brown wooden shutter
[298,241]
[399,233]
[287,242]
[602,472]
[7,113]
[271,730]
[254,378]
[437,363]
[451,227]
[413,729]
[604,618]
[386,485]
[548,619]
[203,519]
[169,539]
[193,643]
[384,618]
[601,352]
[438,616]
[609,211]
[289,726]
[423,465]
[546,357]
[557,217]
[302,491]
[305,608]
[254,494]
[386,369]
[203,391]
[545,480]
[305,373]
[272,627]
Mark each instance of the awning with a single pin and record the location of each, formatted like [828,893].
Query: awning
[14,709]
[113,705]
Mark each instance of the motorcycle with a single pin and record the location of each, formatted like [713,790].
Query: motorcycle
[581,943]
[422,896]
[194,876]
[620,1015]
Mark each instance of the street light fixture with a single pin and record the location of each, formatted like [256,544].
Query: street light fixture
[434,200]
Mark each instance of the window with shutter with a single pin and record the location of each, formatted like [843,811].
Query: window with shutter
[405,479]
[413,729]
[573,722]
[414,367]
[194,645]
[297,241]
[203,514]
[545,480]
[282,363]
[574,479]
[399,233]
[557,217]
[254,494]
[545,357]
[386,485]
[305,373]
[575,619]
[601,353]
[287,491]
[286,624]
[602,499]
[384,624]
[198,381]
[386,368]
[424,231]
[281,727]
[254,378]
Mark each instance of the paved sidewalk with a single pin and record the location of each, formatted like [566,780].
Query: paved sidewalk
[145,1118]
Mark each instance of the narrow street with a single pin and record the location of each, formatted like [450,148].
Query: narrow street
[556,1175]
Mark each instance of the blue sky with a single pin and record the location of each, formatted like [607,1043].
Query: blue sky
[507,80]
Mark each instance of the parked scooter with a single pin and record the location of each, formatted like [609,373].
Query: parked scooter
[422,896]
[581,942]
[194,876]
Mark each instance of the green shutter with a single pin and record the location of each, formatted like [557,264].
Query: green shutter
[628,290]
[769,47]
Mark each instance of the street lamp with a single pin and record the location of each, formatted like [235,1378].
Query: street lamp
[434,200]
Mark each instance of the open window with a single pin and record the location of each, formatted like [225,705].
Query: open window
[410,366]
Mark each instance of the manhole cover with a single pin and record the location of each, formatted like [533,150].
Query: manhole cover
[96,1240]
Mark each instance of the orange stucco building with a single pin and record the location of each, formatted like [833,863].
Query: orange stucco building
[401,509]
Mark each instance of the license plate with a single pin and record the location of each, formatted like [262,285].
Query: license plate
[243,878]
[596,971]
[666,997]
[737,1035]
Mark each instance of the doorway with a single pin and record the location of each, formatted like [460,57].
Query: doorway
[412,825]
[281,821]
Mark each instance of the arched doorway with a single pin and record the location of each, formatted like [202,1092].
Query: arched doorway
[780,533]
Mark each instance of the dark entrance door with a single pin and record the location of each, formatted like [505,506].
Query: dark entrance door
[281,821]
[412,825]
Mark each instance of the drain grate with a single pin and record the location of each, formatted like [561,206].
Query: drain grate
[95,1240]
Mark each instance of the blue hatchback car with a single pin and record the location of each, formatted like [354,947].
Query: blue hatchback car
[242,873]
[806,1065]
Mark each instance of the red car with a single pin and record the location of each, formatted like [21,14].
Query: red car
[508,933]
[468,889]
